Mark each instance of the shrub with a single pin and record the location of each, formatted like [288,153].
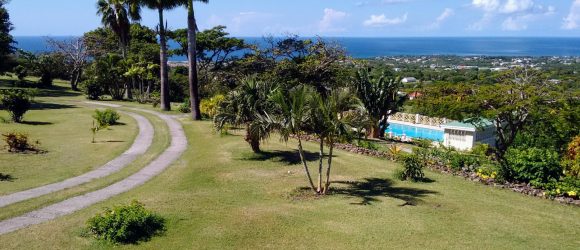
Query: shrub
[571,161]
[481,149]
[412,169]
[17,102]
[92,89]
[395,152]
[368,145]
[423,143]
[532,164]
[21,72]
[155,99]
[126,224]
[458,161]
[209,107]
[567,186]
[106,118]
[18,143]
[185,107]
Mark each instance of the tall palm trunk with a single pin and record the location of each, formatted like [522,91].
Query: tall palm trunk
[303,159]
[192,57]
[321,155]
[327,184]
[165,101]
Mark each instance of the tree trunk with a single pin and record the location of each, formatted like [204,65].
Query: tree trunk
[375,132]
[192,57]
[327,184]
[321,155]
[165,101]
[254,142]
[303,159]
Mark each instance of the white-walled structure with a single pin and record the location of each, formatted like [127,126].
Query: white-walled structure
[464,136]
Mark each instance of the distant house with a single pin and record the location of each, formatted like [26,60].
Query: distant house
[409,80]
[415,95]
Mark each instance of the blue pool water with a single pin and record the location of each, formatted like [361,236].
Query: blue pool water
[415,132]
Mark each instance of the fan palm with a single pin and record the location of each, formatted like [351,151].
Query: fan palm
[161,6]
[242,106]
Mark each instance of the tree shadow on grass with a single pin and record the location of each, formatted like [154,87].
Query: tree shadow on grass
[371,189]
[288,157]
[45,106]
[6,177]
[34,123]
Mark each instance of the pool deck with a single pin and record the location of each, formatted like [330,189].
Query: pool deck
[438,128]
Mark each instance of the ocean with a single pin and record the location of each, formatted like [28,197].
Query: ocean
[377,47]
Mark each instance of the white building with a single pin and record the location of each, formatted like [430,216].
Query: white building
[464,136]
[409,80]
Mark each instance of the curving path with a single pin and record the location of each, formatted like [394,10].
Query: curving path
[140,146]
[170,155]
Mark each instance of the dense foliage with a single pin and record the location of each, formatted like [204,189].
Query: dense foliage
[126,224]
[412,169]
[17,102]
[6,40]
[106,118]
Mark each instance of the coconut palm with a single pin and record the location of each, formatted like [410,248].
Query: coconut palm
[115,14]
[380,98]
[192,58]
[161,6]
[242,106]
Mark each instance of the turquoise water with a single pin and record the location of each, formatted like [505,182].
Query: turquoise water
[415,132]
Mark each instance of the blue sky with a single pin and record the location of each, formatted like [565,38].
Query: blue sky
[346,18]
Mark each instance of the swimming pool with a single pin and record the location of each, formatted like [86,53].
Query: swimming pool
[414,132]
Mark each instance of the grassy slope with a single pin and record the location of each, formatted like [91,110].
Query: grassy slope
[218,196]
[63,128]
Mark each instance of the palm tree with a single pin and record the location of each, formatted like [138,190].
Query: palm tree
[161,6]
[303,110]
[115,14]
[241,108]
[380,97]
[192,58]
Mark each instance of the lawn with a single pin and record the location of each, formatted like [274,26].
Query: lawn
[220,195]
[61,123]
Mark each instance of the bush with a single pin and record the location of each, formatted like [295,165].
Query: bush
[571,161]
[92,89]
[18,143]
[368,145]
[568,186]
[532,164]
[185,107]
[126,224]
[423,143]
[106,118]
[458,161]
[21,72]
[17,102]
[412,169]
[209,107]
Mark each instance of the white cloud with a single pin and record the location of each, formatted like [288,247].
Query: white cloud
[487,5]
[448,12]
[382,20]
[514,24]
[382,2]
[572,21]
[331,16]
[514,6]
[516,13]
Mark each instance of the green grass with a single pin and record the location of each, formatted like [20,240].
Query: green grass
[220,195]
[62,126]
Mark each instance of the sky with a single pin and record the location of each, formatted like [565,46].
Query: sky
[329,18]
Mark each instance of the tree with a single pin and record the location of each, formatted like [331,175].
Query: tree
[380,98]
[305,111]
[241,107]
[115,14]
[161,6]
[194,98]
[76,57]
[6,40]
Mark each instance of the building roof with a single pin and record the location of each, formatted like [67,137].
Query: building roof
[467,126]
